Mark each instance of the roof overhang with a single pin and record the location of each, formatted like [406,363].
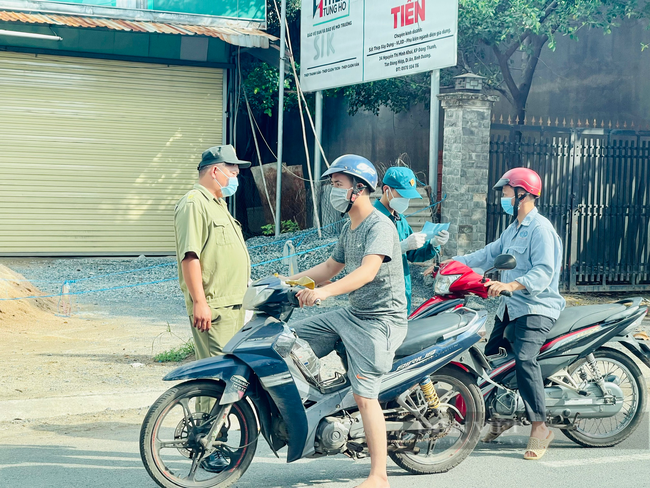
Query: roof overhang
[232,34]
[88,10]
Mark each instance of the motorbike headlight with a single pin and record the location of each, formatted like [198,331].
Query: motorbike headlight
[256,296]
[443,282]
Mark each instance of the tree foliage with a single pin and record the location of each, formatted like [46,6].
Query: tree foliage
[502,40]
[259,80]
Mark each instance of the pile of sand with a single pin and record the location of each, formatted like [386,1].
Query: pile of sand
[13,285]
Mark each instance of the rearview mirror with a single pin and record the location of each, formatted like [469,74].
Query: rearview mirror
[504,262]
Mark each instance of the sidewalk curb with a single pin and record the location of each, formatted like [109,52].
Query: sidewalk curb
[42,408]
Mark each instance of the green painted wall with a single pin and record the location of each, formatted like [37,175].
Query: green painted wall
[241,9]
[109,42]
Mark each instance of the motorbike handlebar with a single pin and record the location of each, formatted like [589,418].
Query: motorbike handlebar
[506,293]
[293,299]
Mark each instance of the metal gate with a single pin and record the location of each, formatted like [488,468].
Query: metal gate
[595,192]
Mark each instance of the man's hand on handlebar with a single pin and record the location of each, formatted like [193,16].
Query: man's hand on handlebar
[309,298]
[496,288]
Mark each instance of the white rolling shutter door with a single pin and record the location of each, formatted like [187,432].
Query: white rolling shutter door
[95,153]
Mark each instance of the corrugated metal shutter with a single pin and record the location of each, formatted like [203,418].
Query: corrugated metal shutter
[95,153]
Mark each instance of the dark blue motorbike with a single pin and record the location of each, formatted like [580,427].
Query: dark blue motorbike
[203,432]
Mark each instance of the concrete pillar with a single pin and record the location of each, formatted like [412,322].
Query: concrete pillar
[465,163]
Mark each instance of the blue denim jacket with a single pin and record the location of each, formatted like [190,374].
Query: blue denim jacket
[538,250]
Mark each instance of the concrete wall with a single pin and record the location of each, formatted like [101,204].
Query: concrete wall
[606,77]
[381,139]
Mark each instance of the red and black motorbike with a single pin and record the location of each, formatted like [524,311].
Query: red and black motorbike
[594,392]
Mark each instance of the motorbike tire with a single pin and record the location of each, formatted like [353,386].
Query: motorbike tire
[153,421]
[637,376]
[475,407]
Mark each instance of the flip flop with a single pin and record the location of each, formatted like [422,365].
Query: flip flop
[538,447]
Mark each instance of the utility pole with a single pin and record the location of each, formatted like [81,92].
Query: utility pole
[278,186]
[434,119]
[317,155]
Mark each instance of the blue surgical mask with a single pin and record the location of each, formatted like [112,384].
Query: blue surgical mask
[506,204]
[231,188]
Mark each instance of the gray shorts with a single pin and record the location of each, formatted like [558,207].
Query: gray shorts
[370,344]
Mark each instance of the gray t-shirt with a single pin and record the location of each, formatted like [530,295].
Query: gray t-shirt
[385,294]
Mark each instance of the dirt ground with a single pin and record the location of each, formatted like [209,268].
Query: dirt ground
[46,355]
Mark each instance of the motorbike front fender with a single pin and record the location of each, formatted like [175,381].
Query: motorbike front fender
[231,371]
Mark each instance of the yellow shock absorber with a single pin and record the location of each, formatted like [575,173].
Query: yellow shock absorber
[430,394]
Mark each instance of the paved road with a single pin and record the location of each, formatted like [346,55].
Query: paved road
[101,450]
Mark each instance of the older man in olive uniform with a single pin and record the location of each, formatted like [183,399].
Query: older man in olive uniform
[213,262]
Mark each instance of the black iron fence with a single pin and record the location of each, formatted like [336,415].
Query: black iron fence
[596,192]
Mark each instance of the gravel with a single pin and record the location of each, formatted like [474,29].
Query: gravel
[147,287]
[123,286]
[123,292]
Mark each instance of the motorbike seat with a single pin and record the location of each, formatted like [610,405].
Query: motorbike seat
[574,318]
[425,332]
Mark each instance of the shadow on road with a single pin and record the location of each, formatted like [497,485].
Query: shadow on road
[39,466]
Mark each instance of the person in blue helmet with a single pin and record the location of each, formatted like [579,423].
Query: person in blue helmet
[374,324]
[399,188]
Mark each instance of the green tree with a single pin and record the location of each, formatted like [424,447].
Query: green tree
[492,33]
[501,40]
[261,80]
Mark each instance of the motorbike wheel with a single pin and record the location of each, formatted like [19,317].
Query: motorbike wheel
[171,431]
[463,408]
[607,432]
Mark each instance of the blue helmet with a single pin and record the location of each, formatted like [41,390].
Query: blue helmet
[356,166]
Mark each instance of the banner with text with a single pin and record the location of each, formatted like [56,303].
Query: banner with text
[344,42]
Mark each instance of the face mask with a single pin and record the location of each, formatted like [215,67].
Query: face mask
[506,204]
[231,188]
[339,199]
[400,205]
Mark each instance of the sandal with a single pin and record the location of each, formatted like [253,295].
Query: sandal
[538,447]
[496,429]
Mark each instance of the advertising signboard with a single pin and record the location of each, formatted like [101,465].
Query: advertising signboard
[344,42]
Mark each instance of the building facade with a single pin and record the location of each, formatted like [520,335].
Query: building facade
[105,108]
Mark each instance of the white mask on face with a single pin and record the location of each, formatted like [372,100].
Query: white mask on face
[399,204]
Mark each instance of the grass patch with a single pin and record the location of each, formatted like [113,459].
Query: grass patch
[177,354]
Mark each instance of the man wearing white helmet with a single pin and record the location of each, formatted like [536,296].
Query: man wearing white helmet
[375,323]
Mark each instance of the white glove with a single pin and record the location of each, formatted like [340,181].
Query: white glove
[414,241]
[441,239]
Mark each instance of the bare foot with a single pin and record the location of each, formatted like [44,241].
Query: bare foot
[374,481]
[540,432]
